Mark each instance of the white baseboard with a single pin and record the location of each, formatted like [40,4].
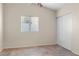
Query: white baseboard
[28,46]
[75,53]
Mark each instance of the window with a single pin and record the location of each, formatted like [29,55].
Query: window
[29,24]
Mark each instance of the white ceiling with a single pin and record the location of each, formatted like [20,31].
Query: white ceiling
[54,6]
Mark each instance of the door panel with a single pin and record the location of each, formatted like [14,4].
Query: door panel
[64,29]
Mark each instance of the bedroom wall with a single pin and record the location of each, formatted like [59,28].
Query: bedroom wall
[12,20]
[1,26]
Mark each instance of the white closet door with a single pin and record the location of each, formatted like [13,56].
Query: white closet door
[65,31]
[59,31]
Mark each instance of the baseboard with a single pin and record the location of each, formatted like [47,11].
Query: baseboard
[75,53]
[27,46]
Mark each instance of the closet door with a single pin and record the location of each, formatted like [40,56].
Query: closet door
[59,31]
[65,31]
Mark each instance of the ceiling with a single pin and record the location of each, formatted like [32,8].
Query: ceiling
[54,6]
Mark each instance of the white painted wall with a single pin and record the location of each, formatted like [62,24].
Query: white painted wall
[1,26]
[12,20]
